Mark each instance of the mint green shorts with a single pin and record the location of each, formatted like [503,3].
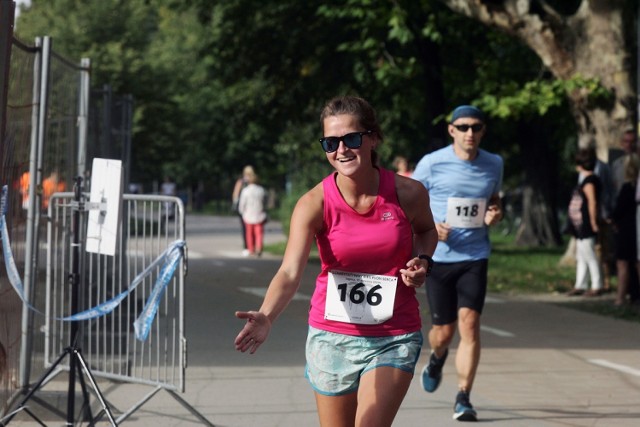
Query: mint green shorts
[335,362]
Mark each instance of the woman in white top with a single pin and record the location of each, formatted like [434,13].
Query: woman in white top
[251,207]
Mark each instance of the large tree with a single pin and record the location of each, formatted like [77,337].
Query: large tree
[576,38]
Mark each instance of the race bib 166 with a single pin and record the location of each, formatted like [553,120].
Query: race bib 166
[361,298]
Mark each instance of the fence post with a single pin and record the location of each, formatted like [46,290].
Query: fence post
[33,209]
[83,115]
[7,10]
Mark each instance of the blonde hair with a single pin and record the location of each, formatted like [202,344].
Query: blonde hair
[249,174]
[248,170]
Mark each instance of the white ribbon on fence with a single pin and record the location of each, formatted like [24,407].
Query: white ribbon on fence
[170,259]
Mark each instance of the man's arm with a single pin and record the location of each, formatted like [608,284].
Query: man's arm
[494,210]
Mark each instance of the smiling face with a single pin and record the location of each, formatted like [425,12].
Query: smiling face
[347,160]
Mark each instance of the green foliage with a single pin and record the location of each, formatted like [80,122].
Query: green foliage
[539,97]
[286,208]
[219,85]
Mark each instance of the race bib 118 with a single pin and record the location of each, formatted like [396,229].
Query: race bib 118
[465,212]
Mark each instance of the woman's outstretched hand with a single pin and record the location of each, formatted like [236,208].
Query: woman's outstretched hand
[254,332]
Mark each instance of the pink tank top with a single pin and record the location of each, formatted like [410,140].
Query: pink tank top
[379,242]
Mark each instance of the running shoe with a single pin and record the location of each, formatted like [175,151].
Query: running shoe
[432,372]
[463,409]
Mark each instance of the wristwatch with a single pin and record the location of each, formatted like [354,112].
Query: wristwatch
[429,262]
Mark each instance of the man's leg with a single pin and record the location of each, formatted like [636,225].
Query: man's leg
[467,359]
[472,289]
[442,299]
[468,354]
[440,337]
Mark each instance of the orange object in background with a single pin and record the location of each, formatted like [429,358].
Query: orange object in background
[51,185]
[23,187]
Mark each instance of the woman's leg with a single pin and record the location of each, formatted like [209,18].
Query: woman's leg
[622,266]
[243,227]
[338,411]
[380,394]
[259,235]
[594,264]
[581,265]
[250,237]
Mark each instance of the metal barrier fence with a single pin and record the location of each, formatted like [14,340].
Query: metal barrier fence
[111,345]
[122,313]
[150,225]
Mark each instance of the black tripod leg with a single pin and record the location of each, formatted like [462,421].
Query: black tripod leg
[37,385]
[86,407]
[92,380]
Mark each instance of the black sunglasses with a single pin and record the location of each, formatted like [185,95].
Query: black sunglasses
[464,128]
[351,140]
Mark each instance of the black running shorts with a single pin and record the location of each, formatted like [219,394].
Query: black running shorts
[451,286]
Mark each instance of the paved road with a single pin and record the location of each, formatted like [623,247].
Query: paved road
[542,365]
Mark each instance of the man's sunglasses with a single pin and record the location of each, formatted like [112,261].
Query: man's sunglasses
[464,128]
[351,140]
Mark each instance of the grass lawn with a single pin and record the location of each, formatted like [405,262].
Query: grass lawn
[523,270]
[515,270]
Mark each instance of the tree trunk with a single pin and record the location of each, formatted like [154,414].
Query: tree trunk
[539,225]
[589,43]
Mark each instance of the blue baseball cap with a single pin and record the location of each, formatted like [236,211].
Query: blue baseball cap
[467,111]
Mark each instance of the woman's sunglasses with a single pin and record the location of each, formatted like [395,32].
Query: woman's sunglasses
[351,140]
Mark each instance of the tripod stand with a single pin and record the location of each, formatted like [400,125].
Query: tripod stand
[77,363]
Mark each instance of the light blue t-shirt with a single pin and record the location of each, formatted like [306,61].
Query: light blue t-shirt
[446,176]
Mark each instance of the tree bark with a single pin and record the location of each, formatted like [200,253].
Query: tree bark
[589,43]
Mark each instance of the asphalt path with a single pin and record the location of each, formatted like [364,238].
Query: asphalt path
[541,364]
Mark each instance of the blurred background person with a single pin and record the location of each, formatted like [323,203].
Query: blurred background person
[624,221]
[605,237]
[240,184]
[168,188]
[252,208]
[401,165]
[584,213]
[628,145]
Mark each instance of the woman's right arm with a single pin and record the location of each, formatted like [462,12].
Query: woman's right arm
[306,221]
[235,195]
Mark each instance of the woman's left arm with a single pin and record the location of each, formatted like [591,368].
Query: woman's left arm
[589,190]
[414,200]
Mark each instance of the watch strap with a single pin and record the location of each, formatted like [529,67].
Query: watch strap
[429,262]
